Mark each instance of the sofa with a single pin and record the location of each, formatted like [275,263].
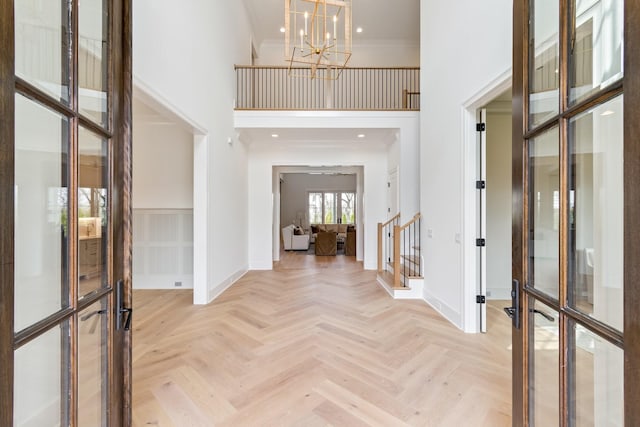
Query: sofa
[339,229]
[293,241]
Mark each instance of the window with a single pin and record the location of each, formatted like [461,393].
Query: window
[331,207]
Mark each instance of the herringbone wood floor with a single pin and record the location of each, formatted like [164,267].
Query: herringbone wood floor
[315,342]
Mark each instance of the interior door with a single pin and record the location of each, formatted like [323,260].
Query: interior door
[576,203]
[65,213]
[481,225]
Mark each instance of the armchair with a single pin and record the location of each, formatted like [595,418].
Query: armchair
[293,241]
[326,243]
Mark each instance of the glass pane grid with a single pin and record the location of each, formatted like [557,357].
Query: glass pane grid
[41,213]
[596,59]
[597,380]
[596,213]
[42,38]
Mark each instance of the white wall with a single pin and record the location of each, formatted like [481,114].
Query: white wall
[265,154]
[498,193]
[193,69]
[385,53]
[162,164]
[475,51]
[295,187]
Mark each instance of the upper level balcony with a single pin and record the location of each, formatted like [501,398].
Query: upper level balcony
[356,89]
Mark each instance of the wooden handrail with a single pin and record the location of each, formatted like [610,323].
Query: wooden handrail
[384,224]
[414,219]
[395,254]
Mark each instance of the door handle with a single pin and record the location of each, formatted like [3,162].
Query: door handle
[543,314]
[121,309]
[514,311]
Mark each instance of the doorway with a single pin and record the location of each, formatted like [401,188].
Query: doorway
[494,207]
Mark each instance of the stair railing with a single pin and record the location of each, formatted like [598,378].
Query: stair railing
[406,244]
[385,242]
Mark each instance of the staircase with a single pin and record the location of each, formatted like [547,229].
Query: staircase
[399,259]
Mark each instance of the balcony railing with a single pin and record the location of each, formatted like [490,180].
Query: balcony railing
[368,89]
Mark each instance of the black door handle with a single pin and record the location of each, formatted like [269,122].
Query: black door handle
[121,309]
[511,311]
[543,314]
[514,311]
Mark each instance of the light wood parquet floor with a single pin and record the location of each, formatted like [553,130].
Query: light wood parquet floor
[315,342]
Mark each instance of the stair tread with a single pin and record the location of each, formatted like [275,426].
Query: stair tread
[412,258]
[388,279]
[408,272]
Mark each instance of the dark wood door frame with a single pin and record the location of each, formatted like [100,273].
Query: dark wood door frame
[120,65]
[630,86]
[6,209]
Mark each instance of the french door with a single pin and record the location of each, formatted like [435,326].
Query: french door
[65,276]
[576,144]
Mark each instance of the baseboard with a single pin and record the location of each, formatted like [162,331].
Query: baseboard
[216,291]
[384,286]
[161,282]
[445,311]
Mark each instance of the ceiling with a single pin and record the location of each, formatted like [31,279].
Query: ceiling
[379,19]
[322,138]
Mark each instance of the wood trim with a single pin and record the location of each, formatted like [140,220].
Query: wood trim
[519,109]
[7,60]
[412,221]
[396,256]
[384,224]
[380,269]
[631,212]
[121,243]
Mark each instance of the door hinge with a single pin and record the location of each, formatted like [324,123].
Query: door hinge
[481,185]
[389,210]
[481,127]
[388,185]
[480,299]
[481,242]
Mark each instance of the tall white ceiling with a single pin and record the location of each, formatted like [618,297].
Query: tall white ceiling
[397,20]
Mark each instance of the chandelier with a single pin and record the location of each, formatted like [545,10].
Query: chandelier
[317,37]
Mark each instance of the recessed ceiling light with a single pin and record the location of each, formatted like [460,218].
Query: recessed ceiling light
[359,30]
[607,113]
[361,135]
[282,29]
[274,135]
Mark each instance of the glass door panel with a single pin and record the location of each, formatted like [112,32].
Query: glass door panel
[315,208]
[544,60]
[544,213]
[41,213]
[93,60]
[41,379]
[92,212]
[597,180]
[544,349]
[42,41]
[330,208]
[599,380]
[348,208]
[596,53]
[93,339]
